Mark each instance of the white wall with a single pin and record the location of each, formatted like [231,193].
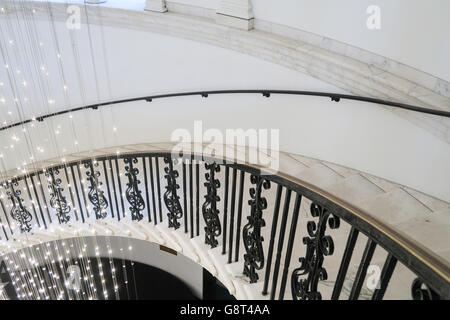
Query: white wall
[209,4]
[413,32]
[135,64]
[364,137]
[353,134]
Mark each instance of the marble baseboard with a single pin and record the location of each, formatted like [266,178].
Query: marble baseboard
[190,10]
[401,70]
[234,22]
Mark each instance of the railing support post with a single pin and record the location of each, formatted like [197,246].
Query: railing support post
[156,5]
[235,13]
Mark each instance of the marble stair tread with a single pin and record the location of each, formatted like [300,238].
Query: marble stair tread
[429,201]
[220,261]
[444,254]
[320,175]
[343,171]
[166,146]
[151,232]
[237,277]
[254,291]
[100,229]
[44,235]
[394,207]
[382,183]
[90,153]
[119,229]
[306,161]
[290,165]
[61,159]
[431,231]
[169,238]
[141,147]
[134,229]
[116,150]
[354,188]
[202,251]
[37,165]
[184,240]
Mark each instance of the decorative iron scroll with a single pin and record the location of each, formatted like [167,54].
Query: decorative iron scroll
[318,245]
[420,291]
[96,196]
[254,256]
[171,199]
[18,211]
[209,208]
[133,194]
[57,200]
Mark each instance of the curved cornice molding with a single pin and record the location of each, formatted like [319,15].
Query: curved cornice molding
[320,57]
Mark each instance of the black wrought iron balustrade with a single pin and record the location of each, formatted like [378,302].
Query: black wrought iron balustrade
[256,218]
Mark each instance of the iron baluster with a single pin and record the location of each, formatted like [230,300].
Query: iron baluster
[32,201]
[57,200]
[171,198]
[155,220]
[147,196]
[349,247]
[105,172]
[239,215]
[209,208]
[362,269]
[132,193]
[421,291]
[276,212]
[95,195]
[225,211]
[251,234]
[318,245]
[290,246]
[18,212]
[287,200]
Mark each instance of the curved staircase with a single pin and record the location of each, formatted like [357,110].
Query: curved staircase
[409,213]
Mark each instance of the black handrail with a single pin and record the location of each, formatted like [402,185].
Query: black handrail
[326,213]
[266,93]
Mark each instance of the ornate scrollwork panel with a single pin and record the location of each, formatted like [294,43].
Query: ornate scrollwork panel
[209,208]
[133,194]
[57,200]
[171,199]
[18,211]
[420,291]
[254,256]
[96,196]
[305,279]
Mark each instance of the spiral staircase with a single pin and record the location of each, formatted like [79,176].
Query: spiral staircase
[312,229]
[404,216]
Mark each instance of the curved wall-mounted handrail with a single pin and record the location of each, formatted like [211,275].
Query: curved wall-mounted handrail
[265,92]
[326,210]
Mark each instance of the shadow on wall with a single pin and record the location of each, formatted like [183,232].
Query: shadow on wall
[213,289]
